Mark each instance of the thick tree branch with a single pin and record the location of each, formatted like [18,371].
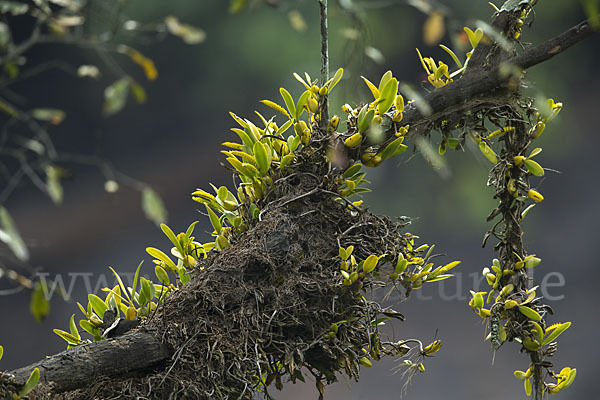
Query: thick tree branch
[480,84]
[75,368]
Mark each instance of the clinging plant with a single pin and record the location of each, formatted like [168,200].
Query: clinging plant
[290,283]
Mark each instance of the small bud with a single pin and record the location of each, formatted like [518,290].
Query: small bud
[535,196]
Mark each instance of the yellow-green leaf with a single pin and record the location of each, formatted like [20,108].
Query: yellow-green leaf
[73,327]
[288,100]
[98,305]
[336,78]
[555,333]
[153,206]
[454,57]
[388,96]
[32,381]
[260,154]
[162,275]
[10,235]
[115,96]
[534,168]
[527,384]
[372,88]
[1,352]
[365,121]
[39,306]
[530,313]
[488,152]
[214,220]
[370,263]
[53,185]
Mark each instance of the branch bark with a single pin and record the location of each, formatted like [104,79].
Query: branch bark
[134,352]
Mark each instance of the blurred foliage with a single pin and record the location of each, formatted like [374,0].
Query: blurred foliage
[27,150]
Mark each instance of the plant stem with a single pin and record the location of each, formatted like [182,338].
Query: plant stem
[324,62]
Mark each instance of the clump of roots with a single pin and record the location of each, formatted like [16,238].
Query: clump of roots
[260,313]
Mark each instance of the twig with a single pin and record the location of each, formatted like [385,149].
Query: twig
[324,63]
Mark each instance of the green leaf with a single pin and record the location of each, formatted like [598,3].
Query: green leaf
[284,128]
[388,96]
[385,79]
[214,220]
[301,102]
[89,327]
[288,158]
[162,275]
[39,306]
[98,305]
[53,185]
[370,263]
[262,161]
[1,352]
[115,96]
[184,277]
[153,206]
[454,57]
[336,78]
[121,285]
[172,237]
[556,333]
[488,152]
[10,235]
[293,142]
[246,140]
[189,232]
[352,170]
[158,254]
[534,168]
[137,274]
[73,327]
[530,313]
[289,101]
[31,383]
[365,121]
[393,149]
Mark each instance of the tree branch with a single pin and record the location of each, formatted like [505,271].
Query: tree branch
[554,46]
[481,84]
[75,368]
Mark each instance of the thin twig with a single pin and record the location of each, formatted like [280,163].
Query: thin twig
[324,63]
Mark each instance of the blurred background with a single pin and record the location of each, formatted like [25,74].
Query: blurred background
[172,144]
